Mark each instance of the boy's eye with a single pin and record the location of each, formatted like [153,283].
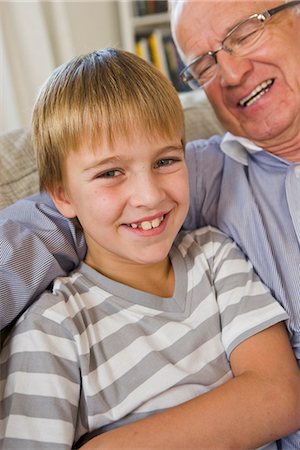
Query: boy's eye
[109,174]
[164,162]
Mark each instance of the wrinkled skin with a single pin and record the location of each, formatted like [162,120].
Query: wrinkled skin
[273,121]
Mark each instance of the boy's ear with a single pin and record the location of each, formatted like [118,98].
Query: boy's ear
[62,202]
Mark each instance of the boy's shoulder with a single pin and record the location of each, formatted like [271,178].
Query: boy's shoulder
[206,236]
[204,247]
[49,302]
[54,303]
[70,295]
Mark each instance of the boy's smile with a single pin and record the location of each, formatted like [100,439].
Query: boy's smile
[147,223]
[131,199]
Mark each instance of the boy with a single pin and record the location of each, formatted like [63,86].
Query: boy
[152,318]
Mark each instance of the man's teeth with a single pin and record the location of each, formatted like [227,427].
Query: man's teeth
[258,92]
[147,225]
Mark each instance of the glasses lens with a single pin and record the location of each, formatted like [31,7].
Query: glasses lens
[245,36]
[200,72]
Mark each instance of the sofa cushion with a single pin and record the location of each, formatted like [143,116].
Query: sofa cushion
[18,172]
[200,119]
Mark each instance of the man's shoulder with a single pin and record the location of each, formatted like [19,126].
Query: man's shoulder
[206,145]
[205,154]
[208,166]
[205,162]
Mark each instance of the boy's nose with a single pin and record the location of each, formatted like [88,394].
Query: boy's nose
[232,69]
[146,191]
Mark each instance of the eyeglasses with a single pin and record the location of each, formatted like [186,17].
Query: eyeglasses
[241,40]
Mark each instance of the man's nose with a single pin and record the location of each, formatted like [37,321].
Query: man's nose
[232,69]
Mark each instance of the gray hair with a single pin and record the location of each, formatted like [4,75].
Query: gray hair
[296,9]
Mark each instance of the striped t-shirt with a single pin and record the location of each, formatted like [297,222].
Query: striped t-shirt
[96,354]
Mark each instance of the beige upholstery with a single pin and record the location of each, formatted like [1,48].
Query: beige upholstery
[18,173]
[200,119]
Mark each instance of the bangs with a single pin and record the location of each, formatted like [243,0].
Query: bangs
[151,116]
[122,98]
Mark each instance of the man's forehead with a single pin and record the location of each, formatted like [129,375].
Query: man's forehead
[222,13]
[199,25]
[239,2]
[210,5]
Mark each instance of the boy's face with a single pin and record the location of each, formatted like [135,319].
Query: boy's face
[131,199]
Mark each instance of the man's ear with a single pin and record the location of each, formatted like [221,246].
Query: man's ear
[62,202]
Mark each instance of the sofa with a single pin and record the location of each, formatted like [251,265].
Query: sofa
[18,172]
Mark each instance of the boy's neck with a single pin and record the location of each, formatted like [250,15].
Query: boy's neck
[157,279]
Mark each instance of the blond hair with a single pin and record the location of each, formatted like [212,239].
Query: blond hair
[103,94]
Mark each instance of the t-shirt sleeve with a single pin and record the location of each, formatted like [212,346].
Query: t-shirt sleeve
[246,305]
[37,244]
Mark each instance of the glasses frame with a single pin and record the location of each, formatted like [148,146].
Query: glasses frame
[185,75]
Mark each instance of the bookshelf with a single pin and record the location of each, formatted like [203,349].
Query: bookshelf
[145,30]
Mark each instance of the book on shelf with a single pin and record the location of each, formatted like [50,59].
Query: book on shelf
[142,48]
[158,48]
[175,64]
[145,7]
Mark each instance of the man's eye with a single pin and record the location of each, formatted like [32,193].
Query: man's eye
[203,68]
[245,38]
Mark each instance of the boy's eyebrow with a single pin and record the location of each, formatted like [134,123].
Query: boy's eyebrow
[117,159]
[102,162]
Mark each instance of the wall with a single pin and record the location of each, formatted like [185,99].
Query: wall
[36,37]
[93,25]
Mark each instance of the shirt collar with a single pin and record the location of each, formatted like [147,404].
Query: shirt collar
[237,147]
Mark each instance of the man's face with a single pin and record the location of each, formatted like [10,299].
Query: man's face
[272,117]
[130,198]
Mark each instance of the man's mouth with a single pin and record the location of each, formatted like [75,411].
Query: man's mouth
[256,94]
[147,224]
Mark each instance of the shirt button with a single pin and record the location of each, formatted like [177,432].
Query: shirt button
[297,171]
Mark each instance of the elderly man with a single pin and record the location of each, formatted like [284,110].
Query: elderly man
[245,55]
[245,58]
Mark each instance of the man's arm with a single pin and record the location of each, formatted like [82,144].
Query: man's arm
[36,245]
[260,404]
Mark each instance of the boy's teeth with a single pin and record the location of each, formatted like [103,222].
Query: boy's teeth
[147,225]
[156,222]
